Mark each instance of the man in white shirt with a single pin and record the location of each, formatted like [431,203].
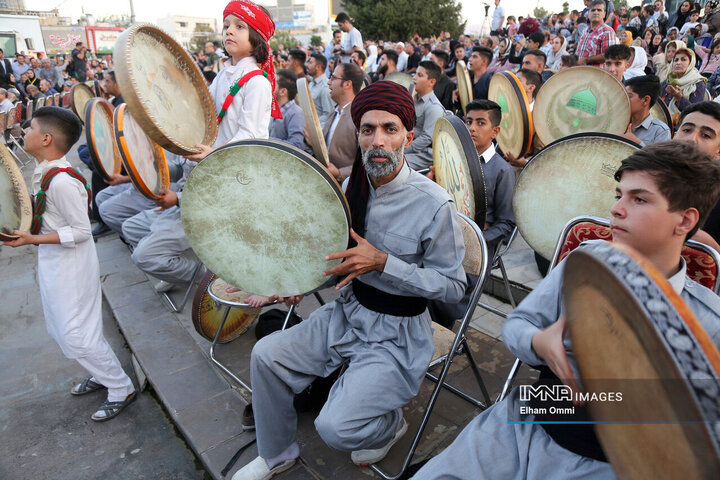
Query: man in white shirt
[5,104]
[402,57]
[498,19]
[353,39]
[318,84]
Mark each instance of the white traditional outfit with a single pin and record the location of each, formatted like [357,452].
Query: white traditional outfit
[69,279]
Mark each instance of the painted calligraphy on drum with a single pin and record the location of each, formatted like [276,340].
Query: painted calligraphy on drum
[451,176]
[242,178]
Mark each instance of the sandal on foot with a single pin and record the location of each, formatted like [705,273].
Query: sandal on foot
[86,386]
[113,409]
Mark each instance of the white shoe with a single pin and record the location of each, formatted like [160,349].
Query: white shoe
[258,470]
[163,287]
[363,458]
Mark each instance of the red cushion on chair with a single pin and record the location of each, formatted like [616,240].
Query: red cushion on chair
[701,267]
[582,232]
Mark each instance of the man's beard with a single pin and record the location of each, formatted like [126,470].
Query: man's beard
[378,170]
[383,70]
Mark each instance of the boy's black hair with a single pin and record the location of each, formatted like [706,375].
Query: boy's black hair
[645,86]
[442,55]
[489,106]
[619,51]
[62,124]
[707,107]
[287,79]
[533,78]
[320,58]
[432,69]
[484,52]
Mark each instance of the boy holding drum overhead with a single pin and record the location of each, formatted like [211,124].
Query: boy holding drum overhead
[665,191]
[245,104]
[68,269]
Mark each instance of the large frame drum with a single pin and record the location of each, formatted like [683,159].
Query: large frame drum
[516,126]
[632,333]
[571,177]
[16,208]
[80,95]
[458,167]
[577,100]
[100,138]
[312,122]
[164,89]
[262,215]
[464,84]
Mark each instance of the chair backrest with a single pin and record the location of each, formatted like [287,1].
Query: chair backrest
[10,117]
[475,261]
[3,121]
[56,99]
[40,102]
[29,109]
[19,107]
[702,261]
[65,99]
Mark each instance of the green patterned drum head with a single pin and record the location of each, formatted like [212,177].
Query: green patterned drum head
[515,135]
[571,177]
[577,100]
[458,169]
[262,215]
[15,205]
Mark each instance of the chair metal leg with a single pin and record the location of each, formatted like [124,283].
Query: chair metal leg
[217,362]
[476,371]
[169,302]
[506,281]
[509,381]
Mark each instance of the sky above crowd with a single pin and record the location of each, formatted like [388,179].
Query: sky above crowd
[151,11]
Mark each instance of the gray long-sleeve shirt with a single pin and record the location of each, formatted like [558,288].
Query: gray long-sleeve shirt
[289,129]
[320,93]
[652,130]
[414,221]
[544,306]
[428,110]
[499,188]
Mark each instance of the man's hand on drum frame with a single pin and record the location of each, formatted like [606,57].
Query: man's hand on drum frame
[548,345]
[204,152]
[360,259]
[117,179]
[168,199]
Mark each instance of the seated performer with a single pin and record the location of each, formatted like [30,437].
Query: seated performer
[644,129]
[665,191]
[288,129]
[428,111]
[409,249]
[531,82]
[68,268]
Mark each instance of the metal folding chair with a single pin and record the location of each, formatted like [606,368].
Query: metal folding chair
[13,135]
[449,344]
[168,301]
[497,262]
[703,262]
[40,102]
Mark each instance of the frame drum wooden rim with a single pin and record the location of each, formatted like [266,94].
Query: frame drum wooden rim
[176,79]
[254,252]
[80,95]
[661,112]
[207,315]
[464,84]
[519,147]
[102,108]
[547,197]
[632,333]
[312,122]
[16,208]
[159,160]
[569,102]
[458,168]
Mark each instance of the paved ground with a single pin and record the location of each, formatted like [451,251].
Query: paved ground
[47,433]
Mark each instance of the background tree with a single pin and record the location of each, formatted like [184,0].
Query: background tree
[566,7]
[284,37]
[401,19]
[540,13]
[315,40]
[201,35]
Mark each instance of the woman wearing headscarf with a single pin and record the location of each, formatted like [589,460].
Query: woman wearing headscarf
[559,48]
[663,61]
[681,16]
[371,62]
[684,85]
[500,60]
[654,46]
[710,58]
[640,60]
[627,37]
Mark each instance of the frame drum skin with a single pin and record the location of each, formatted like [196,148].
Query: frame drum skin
[458,167]
[401,79]
[571,177]
[464,84]
[164,89]
[16,209]
[661,112]
[80,95]
[632,333]
[580,99]
[312,122]
[262,215]
[207,316]
[100,137]
[143,159]
[516,132]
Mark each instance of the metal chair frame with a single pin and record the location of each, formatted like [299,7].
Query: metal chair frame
[498,263]
[603,222]
[228,306]
[459,345]
[177,308]
[12,142]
